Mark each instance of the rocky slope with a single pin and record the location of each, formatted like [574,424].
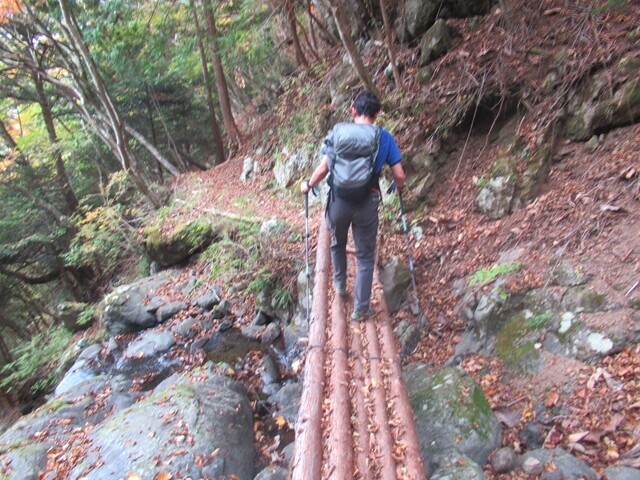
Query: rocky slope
[520,133]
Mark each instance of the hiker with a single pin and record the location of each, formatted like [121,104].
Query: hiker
[353,156]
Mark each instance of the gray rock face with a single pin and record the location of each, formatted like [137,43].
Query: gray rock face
[494,200]
[167,311]
[270,371]
[451,411]
[24,461]
[419,15]
[77,374]
[599,108]
[570,467]
[504,460]
[150,344]
[396,278]
[453,465]
[290,166]
[186,328]
[273,473]
[622,473]
[125,310]
[208,300]
[436,42]
[408,335]
[287,401]
[270,334]
[216,422]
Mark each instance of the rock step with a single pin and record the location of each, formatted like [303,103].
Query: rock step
[355,421]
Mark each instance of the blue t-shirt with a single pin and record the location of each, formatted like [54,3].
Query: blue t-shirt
[388,151]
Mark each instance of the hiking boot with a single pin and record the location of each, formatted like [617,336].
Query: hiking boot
[340,289]
[362,314]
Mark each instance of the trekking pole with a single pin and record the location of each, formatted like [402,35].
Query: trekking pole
[405,228]
[306,249]
[306,253]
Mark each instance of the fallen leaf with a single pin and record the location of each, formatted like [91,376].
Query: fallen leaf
[552,399]
[280,421]
[163,476]
[133,476]
[510,417]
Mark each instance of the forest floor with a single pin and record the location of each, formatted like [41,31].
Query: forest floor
[588,208]
[587,211]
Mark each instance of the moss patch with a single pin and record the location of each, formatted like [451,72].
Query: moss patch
[515,342]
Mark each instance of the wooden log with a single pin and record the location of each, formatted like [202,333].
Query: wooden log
[307,461]
[414,465]
[361,420]
[341,439]
[381,419]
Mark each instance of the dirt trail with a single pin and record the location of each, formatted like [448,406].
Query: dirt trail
[355,421]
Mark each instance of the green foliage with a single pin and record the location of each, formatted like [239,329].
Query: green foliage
[282,299]
[539,320]
[262,282]
[485,274]
[100,244]
[237,249]
[36,360]
[87,315]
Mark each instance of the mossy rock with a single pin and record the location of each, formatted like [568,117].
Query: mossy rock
[598,110]
[181,243]
[516,341]
[451,411]
[24,460]
[497,193]
[535,172]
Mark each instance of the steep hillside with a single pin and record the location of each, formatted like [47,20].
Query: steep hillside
[502,175]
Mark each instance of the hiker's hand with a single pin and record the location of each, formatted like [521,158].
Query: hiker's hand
[305,187]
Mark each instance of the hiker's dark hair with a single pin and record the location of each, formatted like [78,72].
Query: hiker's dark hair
[366,103]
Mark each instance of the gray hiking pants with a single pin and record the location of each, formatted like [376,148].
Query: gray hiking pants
[362,217]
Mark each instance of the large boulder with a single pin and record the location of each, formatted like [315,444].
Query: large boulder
[396,278]
[568,466]
[451,411]
[290,166]
[599,107]
[498,190]
[204,426]
[453,465]
[24,461]
[419,15]
[184,241]
[132,307]
[436,42]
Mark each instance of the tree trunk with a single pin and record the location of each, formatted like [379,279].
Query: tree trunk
[61,172]
[350,45]
[312,49]
[215,127]
[329,37]
[115,122]
[218,71]
[389,38]
[293,28]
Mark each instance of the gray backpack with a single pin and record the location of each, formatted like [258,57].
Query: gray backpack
[352,150]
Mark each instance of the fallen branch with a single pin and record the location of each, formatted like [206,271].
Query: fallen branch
[635,285]
[232,216]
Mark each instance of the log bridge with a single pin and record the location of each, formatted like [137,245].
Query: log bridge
[355,420]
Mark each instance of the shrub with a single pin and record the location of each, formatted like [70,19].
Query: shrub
[35,359]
